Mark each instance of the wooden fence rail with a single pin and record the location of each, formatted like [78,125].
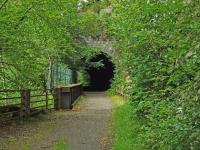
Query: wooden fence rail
[21,104]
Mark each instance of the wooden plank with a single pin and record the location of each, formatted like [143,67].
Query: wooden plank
[32,102]
[9,98]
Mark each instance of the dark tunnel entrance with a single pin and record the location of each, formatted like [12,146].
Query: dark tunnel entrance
[100,78]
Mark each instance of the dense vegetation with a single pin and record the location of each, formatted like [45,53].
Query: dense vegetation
[41,42]
[36,34]
[31,34]
[158,69]
[126,125]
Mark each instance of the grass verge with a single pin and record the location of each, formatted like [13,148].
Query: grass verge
[126,126]
[61,145]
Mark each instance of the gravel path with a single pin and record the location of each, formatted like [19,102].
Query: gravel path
[86,129]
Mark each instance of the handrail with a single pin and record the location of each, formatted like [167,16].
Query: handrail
[69,86]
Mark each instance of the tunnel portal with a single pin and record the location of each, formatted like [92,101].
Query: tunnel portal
[100,78]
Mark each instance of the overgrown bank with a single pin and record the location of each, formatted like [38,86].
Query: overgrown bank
[126,126]
[158,69]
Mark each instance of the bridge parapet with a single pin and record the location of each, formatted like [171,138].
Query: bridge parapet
[65,97]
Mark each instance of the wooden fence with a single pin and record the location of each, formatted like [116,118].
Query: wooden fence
[21,104]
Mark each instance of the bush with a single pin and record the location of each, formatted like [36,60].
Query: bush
[159,50]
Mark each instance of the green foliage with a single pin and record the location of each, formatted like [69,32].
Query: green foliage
[157,58]
[159,51]
[31,35]
[83,77]
[93,26]
[61,145]
[126,126]
[94,5]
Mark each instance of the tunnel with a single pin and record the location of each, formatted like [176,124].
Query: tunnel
[100,78]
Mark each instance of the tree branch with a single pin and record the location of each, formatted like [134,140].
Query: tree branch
[4,3]
[23,17]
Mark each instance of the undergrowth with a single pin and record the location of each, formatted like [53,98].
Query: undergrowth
[126,126]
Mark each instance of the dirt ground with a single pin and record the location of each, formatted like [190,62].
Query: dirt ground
[86,127]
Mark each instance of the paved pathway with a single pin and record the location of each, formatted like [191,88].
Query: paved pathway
[84,130]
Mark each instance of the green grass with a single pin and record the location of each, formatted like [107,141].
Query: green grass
[61,145]
[126,126]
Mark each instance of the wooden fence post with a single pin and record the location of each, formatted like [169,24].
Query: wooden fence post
[25,104]
[57,104]
[74,76]
[46,91]
[47,99]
